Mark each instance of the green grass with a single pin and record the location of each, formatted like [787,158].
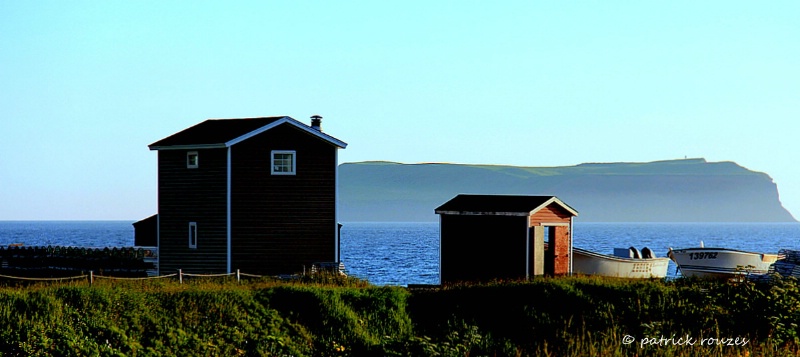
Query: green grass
[334,316]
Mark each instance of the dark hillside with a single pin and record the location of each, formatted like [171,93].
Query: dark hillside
[692,190]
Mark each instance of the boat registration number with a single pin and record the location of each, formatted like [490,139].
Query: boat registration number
[641,268]
[703,255]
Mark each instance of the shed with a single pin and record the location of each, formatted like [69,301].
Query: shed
[485,237]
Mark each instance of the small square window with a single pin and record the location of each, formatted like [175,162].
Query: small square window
[192,160]
[192,234]
[283,162]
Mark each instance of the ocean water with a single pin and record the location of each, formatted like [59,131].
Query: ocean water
[67,233]
[408,253]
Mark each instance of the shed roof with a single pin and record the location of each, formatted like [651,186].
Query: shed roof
[510,205]
[217,133]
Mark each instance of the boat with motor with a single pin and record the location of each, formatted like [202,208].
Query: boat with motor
[720,263]
[625,263]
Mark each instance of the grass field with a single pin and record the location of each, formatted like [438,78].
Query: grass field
[333,316]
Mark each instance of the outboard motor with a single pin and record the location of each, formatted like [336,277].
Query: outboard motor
[635,253]
[647,253]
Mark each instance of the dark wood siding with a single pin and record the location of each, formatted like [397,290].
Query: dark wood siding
[482,247]
[283,223]
[192,195]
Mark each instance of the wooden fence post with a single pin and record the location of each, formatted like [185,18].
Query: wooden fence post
[91,277]
[180,275]
[237,276]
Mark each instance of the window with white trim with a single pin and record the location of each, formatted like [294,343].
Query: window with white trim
[192,234]
[283,162]
[192,160]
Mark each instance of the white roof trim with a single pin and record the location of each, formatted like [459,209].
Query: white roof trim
[554,200]
[229,143]
[476,213]
[188,147]
[288,120]
[531,213]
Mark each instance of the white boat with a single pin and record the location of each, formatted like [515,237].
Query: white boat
[625,263]
[720,262]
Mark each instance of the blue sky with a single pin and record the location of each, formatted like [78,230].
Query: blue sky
[86,86]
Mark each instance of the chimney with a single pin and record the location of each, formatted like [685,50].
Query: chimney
[316,122]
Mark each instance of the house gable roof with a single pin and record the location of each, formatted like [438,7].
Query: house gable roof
[220,133]
[500,205]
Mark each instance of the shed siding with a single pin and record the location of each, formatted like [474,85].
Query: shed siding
[553,213]
[561,258]
[283,223]
[192,195]
[482,247]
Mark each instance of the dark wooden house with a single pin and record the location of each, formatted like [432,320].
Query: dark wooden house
[254,194]
[486,237]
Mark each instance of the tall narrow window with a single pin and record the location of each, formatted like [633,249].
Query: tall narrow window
[192,160]
[283,162]
[192,234]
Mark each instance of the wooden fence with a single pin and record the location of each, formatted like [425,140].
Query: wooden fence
[58,262]
[180,275]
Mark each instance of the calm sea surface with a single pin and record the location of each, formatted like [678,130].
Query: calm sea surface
[408,253]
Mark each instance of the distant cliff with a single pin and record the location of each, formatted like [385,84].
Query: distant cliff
[691,190]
